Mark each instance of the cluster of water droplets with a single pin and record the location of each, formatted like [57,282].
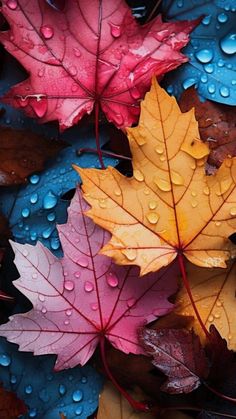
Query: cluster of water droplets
[212,53]
[73,392]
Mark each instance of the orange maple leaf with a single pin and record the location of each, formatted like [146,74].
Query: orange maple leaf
[169,207]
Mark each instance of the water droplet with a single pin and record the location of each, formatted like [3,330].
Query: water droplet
[163,185]
[66,322]
[35,275]
[206,20]
[12,4]
[228,44]
[28,389]
[163,158]
[49,201]
[135,93]
[47,32]
[79,410]
[219,303]
[68,312]
[88,286]
[152,205]
[211,88]
[217,223]
[51,216]
[25,212]
[33,412]
[69,285]
[25,252]
[232,211]
[77,274]
[204,55]
[146,191]
[55,243]
[47,233]
[5,360]
[41,298]
[13,379]
[102,203]
[94,306]
[159,150]
[224,91]
[40,105]
[44,310]
[209,68]
[138,175]
[217,315]
[115,30]
[62,389]
[131,302]
[194,193]
[222,18]
[206,190]
[34,198]
[131,254]
[152,217]
[77,52]
[34,179]
[112,280]
[117,192]
[189,82]
[229,337]
[204,78]
[176,178]
[83,261]
[194,203]
[210,318]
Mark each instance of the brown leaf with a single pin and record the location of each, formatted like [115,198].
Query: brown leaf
[23,152]
[217,125]
[10,406]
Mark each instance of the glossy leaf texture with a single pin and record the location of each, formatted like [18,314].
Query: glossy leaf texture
[214,295]
[211,51]
[177,353]
[22,153]
[83,296]
[151,214]
[89,52]
[217,125]
[46,393]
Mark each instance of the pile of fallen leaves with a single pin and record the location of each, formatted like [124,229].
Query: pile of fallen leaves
[117,230]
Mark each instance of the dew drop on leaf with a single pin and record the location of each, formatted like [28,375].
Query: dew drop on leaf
[5,360]
[47,32]
[115,30]
[204,55]
[88,286]
[112,280]
[12,4]
[69,285]
[228,44]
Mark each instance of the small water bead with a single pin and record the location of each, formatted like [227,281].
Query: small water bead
[66,322]
[51,216]
[44,310]
[25,252]
[5,360]
[28,389]
[152,217]
[33,412]
[12,4]
[50,200]
[62,389]
[228,44]
[218,303]
[209,68]
[210,318]
[224,91]
[47,32]
[146,191]
[69,285]
[217,315]
[138,175]
[232,211]
[222,17]
[115,30]
[55,243]
[211,88]
[162,158]
[94,306]
[77,274]
[41,298]
[41,72]
[206,20]
[79,410]
[204,55]
[162,184]
[176,178]
[47,233]
[13,379]
[83,261]
[25,212]
[34,179]
[112,280]
[102,203]
[152,204]
[35,275]
[189,82]
[88,286]
[77,52]
[217,223]
[130,254]
[159,150]
[220,63]
[68,312]
[117,192]
[204,78]
[194,203]
[34,198]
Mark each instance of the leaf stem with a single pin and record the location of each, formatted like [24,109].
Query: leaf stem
[104,153]
[218,393]
[97,135]
[188,289]
[143,407]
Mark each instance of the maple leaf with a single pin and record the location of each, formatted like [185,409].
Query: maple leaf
[83,297]
[151,214]
[177,353]
[23,152]
[214,294]
[217,125]
[10,406]
[90,53]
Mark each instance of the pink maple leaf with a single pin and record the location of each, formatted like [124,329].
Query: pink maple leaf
[79,299]
[92,52]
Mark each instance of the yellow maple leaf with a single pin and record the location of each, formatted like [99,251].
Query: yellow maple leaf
[169,206]
[213,291]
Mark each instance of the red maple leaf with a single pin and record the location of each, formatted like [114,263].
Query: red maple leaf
[91,52]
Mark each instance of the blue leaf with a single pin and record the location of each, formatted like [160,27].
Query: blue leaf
[211,51]
[33,210]
[73,392]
